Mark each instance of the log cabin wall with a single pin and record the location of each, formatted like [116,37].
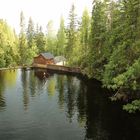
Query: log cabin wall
[41,60]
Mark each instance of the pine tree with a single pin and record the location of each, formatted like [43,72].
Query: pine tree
[85,28]
[71,34]
[32,47]
[40,39]
[123,60]
[96,59]
[51,38]
[22,41]
[30,32]
[84,37]
[61,38]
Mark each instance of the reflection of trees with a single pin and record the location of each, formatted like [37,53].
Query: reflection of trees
[72,87]
[51,84]
[72,91]
[106,120]
[70,98]
[96,105]
[33,83]
[82,103]
[24,79]
[60,87]
[10,77]
[2,88]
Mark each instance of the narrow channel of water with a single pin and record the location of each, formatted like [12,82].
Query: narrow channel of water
[43,106]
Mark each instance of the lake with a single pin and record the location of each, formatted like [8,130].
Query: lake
[38,105]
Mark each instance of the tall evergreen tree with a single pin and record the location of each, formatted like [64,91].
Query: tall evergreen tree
[96,58]
[84,37]
[40,39]
[51,38]
[71,35]
[85,28]
[61,38]
[30,32]
[22,41]
[32,47]
[118,72]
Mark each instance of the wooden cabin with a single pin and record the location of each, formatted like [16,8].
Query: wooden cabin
[44,59]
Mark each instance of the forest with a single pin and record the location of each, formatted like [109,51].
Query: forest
[104,44]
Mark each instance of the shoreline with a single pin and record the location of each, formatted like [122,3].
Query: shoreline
[12,68]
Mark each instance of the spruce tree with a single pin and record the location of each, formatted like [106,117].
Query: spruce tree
[96,59]
[61,38]
[40,39]
[84,37]
[71,33]
[51,38]
[30,32]
[22,41]
[32,47]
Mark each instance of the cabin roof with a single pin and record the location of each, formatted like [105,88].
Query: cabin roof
[47,55]
[59,59]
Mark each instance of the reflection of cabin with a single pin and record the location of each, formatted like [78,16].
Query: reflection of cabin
[44,59]
[41,74]
[60,60]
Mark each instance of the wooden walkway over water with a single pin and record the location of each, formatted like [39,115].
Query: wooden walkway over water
[58,68]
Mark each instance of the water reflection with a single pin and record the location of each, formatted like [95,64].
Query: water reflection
[61,83]
[82,103]
[51,86]
[2,98]
[32,83]
[105,119]
[25,85]
[60,107]
[7,78]
[41,74]
[86,102]
[96,112]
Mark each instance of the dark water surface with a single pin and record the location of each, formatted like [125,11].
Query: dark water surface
[60,107]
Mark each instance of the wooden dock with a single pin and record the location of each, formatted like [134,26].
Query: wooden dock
[58,68]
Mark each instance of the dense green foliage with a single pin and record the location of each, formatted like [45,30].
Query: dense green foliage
[106,46]
[112,54]
[8,46]
[118,66]
[133,107]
